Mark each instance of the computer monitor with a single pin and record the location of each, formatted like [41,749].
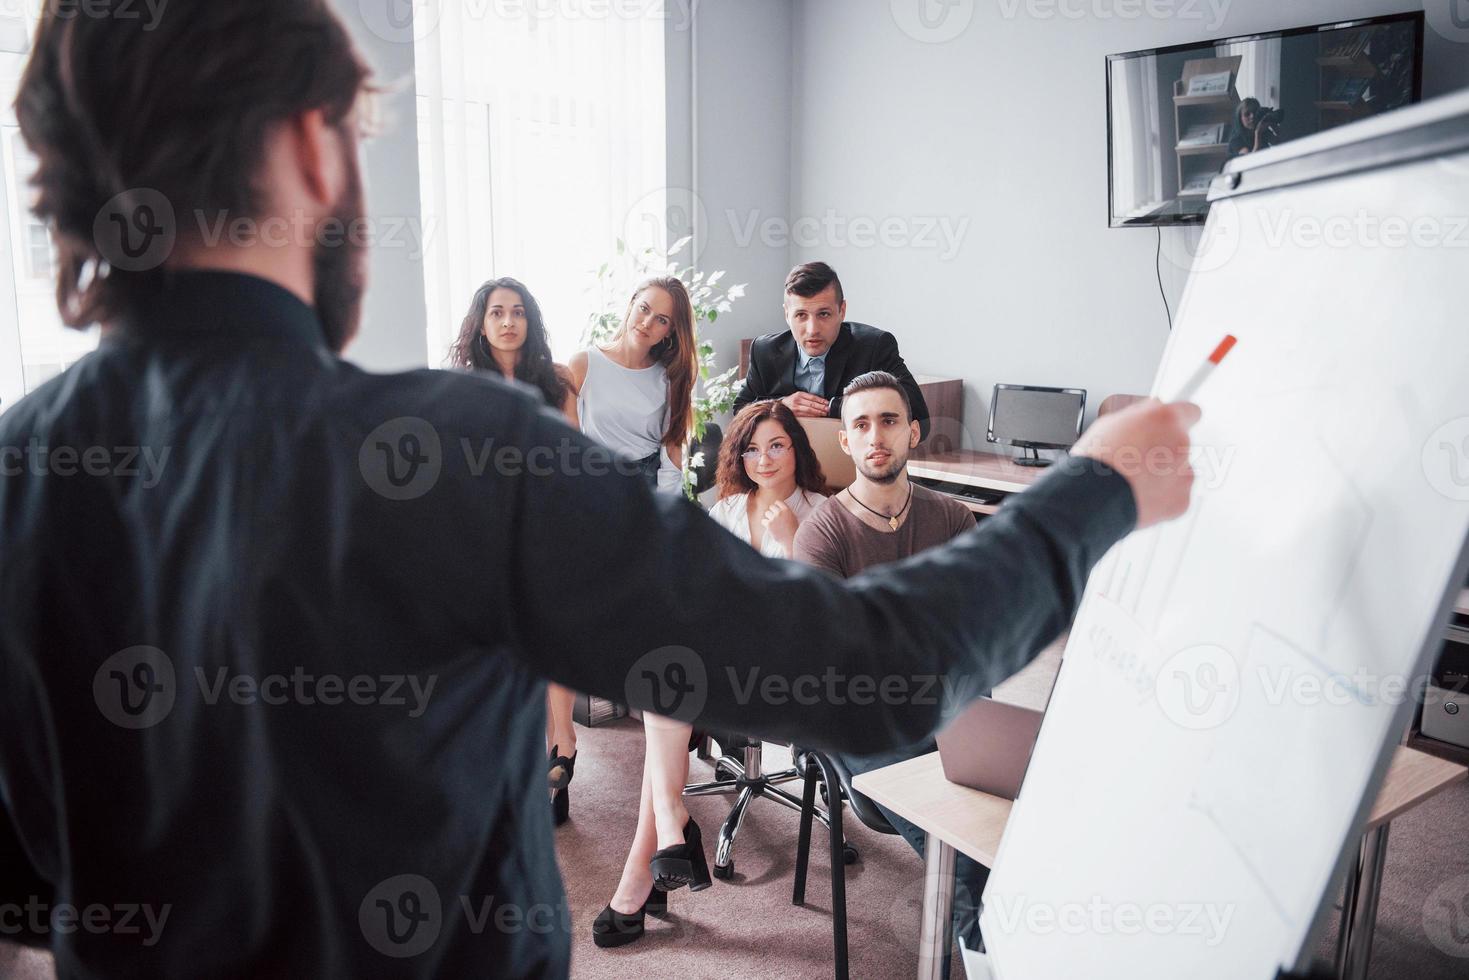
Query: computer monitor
[1034,418]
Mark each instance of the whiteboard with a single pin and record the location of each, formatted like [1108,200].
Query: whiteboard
[1236,679]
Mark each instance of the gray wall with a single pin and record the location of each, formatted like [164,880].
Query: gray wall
[729,139]
[1004,126]
[974,168]
[394,334]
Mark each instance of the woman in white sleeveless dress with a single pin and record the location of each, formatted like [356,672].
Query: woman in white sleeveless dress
[636,395]
[769,481]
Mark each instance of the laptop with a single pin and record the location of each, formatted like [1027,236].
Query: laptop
[987,747]
[838,467]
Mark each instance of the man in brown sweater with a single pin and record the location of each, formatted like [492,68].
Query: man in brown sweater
[883,517]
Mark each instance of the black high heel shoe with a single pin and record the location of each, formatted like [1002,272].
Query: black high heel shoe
[559,776]
[561,769]
[683,864]
[612,928]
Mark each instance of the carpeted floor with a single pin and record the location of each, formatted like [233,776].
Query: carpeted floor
[745,927]
[748,927]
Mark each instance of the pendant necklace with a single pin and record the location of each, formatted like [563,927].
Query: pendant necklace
[892,521]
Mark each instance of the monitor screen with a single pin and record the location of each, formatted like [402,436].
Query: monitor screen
[1048,418]
[1176,115]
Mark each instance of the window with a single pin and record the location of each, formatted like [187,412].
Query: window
[34,345]
[540,133]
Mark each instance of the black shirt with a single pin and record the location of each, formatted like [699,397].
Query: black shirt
[275,632]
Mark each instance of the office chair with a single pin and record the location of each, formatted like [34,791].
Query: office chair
[1115,403]
[740,770]
[836,784]
[747,779]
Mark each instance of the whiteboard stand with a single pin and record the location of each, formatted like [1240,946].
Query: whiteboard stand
[1178,763]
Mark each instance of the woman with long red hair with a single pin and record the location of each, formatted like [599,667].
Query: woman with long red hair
[769,481]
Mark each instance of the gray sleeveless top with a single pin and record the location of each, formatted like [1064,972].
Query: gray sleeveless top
[623,408]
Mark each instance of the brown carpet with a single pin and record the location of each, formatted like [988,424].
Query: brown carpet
[745,927]
[748,927]
[1418,936]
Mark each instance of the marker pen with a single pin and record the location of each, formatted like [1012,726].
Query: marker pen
[1191,386]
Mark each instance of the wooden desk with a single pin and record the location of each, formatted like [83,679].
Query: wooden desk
[970,822]
[915,789]
[1412,777]
[974,469]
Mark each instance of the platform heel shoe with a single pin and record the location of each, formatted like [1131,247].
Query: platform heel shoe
[683,864]
[611,928]
[558,776]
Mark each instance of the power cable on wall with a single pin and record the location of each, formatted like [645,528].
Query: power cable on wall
[1158,269]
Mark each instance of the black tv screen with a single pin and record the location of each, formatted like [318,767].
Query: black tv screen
[1176,115]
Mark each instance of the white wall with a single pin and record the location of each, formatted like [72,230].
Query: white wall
[730,94]
[393,335]
[1002,126]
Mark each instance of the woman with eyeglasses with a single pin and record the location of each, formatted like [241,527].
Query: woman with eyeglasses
[504,332]
[769,481]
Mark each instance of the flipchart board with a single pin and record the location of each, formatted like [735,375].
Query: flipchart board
[1236,679]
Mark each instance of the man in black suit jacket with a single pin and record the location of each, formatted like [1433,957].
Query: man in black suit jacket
[807,366]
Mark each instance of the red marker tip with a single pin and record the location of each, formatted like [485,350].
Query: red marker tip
[1224,347]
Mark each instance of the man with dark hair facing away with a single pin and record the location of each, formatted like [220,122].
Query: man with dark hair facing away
[285,692]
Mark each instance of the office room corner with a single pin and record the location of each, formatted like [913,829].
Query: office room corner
[701,488]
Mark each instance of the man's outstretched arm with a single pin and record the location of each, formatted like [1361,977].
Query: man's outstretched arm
[656,605]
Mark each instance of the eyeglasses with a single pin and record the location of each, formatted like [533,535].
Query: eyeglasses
[776,453]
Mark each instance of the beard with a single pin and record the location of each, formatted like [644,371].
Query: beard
[341,267]
[884,474]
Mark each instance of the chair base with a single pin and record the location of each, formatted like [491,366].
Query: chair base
[749,782]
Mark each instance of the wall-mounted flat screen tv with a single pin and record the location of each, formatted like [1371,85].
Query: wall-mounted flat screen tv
[1176,115]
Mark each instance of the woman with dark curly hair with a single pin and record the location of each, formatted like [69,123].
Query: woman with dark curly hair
[504,332]
[769,480]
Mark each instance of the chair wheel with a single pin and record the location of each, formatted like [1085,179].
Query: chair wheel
[724,871]
[849,854]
